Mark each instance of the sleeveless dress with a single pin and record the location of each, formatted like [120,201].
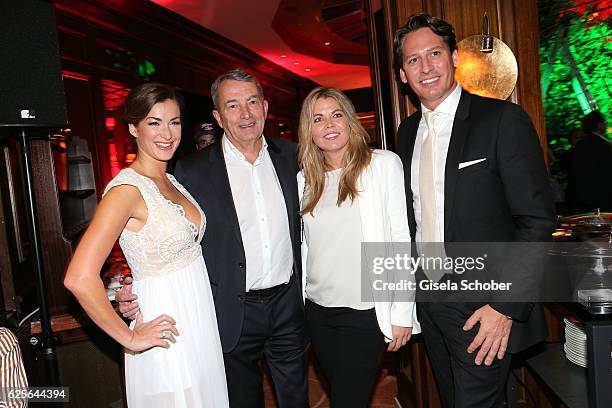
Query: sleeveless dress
[170,278]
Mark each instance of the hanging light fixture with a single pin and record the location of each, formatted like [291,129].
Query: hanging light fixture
[487,38]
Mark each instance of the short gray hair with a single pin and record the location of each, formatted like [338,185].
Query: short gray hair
[236,74]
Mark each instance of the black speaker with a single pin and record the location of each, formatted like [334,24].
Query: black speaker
[31,87]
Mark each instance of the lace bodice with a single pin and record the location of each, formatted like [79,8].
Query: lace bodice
[168,241]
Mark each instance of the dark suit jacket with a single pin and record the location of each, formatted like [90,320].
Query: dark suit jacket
[502,199]
[589,174]
[204,175]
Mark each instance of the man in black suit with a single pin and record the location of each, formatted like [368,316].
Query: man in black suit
[246,186]
[590,167]
[474,172]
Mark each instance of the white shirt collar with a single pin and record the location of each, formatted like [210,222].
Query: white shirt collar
[230,149]
[449,104]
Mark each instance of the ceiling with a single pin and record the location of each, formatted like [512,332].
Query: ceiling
[322,40]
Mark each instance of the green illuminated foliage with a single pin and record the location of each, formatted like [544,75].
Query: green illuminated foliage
[587,39]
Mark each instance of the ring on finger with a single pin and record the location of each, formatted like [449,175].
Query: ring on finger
[163,336]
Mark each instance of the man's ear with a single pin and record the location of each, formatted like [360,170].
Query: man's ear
[132,130]
[455,57]
[403,76]
[217,118]
[265,106]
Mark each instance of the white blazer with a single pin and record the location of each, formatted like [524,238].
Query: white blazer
[384,218]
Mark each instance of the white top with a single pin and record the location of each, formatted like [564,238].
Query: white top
[168,241]
[383,218]
[443,124]
[334,238]
[262,216]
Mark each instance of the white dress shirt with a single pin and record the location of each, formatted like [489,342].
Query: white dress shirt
[443,125]
[262,216]
[333,234]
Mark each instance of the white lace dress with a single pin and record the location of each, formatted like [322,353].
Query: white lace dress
[170,278]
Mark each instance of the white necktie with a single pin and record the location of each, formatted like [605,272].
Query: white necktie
[427,194]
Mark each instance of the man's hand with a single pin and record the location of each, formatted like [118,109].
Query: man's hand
[128,306]
[401,335]
[493,334]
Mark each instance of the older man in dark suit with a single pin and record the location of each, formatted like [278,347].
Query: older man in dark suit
[474,172]
[246,186]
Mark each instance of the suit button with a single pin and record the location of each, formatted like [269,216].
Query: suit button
[241,265]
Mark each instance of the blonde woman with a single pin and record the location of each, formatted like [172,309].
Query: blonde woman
[349,194]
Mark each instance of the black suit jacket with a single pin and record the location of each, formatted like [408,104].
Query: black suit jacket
[204,175]
[505,198]
[589,174]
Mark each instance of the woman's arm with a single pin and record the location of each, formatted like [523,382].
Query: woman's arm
[301,182]
[396,203]
[403,317]
[121,204]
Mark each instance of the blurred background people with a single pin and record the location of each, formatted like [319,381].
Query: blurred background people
[565,164]
[591,166]
[205,134]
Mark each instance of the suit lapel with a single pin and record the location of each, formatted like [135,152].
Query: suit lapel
[411,134]
[286,180]
[222,190]
[455,151]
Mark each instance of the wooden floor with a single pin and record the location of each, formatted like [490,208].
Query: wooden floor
[384,391]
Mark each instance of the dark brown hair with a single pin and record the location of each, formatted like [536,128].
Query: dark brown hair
[416,22]
[141,100]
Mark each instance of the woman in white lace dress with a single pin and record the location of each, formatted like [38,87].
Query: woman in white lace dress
[173,353]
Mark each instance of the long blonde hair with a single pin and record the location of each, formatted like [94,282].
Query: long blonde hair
[312,162]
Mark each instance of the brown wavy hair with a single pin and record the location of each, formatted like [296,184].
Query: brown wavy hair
[312,162]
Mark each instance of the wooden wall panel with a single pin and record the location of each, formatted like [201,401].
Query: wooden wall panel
[7,288]
[466,16]
[521,32]
[56,251]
